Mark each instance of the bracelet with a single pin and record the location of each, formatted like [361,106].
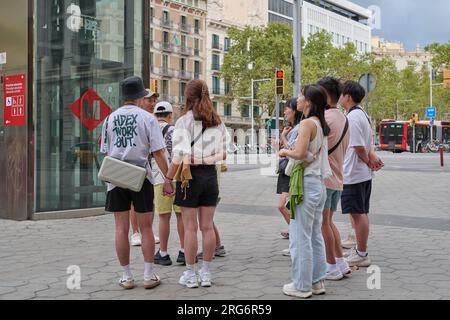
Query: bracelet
[168,179]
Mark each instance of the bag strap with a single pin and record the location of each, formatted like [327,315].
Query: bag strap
[198,138]
[166,129]
[358,108]
[330,152]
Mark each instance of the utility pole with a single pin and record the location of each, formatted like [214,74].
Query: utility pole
[431,99]
[297,63]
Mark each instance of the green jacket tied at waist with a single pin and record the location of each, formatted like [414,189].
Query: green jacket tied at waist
[296,188]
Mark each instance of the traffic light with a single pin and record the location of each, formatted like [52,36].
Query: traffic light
[447,79]
[415,118]
[279,86]
[154,86]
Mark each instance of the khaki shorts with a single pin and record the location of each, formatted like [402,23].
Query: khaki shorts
[164,205]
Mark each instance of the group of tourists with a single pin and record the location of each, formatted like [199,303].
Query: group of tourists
[330,158]
[182,177]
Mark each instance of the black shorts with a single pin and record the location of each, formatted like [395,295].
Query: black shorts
[356,198]
[120,200]
[203,190]
[283,183]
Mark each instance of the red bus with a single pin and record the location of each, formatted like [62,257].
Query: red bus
[397,136]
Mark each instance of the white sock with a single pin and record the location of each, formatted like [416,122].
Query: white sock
[163,253]
[332,267]
[148,269]
[206,266]
[190,269]
[362,253]
[127,272]
[340,261]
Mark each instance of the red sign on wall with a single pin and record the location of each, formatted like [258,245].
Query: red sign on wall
[90,109]
[15,100]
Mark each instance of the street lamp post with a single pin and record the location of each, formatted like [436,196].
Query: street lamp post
[297,47]
[253,107]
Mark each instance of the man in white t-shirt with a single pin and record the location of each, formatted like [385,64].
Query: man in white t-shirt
[130,134]
[359,164]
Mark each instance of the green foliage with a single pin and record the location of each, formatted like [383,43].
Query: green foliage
[271,49]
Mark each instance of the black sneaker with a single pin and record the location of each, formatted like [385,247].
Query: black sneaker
[181,258]
[163,261]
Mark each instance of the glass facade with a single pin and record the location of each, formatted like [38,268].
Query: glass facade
[83,49]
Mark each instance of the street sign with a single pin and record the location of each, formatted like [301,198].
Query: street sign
[431,112]
[368,81]
[432,122]
[15,100]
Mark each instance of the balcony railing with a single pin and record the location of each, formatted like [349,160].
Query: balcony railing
[215,67]
[183,74]
[184,50]
[184,27]
[197,75]
[217,46]
[166,23]
[197,30]
[236,120]
[166,72]
[197,52]
[166,46]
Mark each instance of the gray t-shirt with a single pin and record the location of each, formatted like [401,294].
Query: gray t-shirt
[130,134]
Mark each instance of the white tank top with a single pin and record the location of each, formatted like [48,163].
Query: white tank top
[321,166]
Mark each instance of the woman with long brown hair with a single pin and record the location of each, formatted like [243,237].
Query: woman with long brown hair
[199,142]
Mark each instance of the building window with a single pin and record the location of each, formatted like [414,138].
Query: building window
[197,69]
[245,112]
[165,88]
[182,91]
[197,27]
[215,41]
[183,65]
[215,104]
[227,44]
[216,85]
[215,62]
[227,110]
[227,87]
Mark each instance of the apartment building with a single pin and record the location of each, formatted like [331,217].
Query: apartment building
[177,46]
[403,58]
[345,20]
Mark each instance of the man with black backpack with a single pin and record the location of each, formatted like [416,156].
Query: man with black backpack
[164,205]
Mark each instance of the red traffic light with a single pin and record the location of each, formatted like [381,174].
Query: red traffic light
[280,74]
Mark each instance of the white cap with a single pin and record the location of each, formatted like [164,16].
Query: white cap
[163,107]
[151,94]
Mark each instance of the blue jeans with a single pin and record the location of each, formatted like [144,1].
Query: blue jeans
[305,233]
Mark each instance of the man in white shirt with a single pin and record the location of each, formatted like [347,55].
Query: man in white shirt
[359,164]
[130,134]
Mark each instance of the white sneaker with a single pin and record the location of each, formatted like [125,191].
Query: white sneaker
[345,269]
[127,284]
[205,279]
[189,279]
[350,242]
[290,290]
[319,288]
[136,240]
[286,253]
[355,260]
[153,282]
[157,240]
[335,275]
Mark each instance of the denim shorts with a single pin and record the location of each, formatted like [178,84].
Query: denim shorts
[333,198]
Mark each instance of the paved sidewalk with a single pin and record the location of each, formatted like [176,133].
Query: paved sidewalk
[409,241]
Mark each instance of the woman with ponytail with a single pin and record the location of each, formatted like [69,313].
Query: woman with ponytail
[308,195]
[199,142]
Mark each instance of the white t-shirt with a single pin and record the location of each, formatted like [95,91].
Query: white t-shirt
[213,141]
[130,134]
[158,176]
[355,170]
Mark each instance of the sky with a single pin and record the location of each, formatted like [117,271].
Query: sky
[412,22]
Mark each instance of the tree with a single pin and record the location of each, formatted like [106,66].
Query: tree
[441,54]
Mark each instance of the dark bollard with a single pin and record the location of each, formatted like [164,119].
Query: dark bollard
[441,151]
